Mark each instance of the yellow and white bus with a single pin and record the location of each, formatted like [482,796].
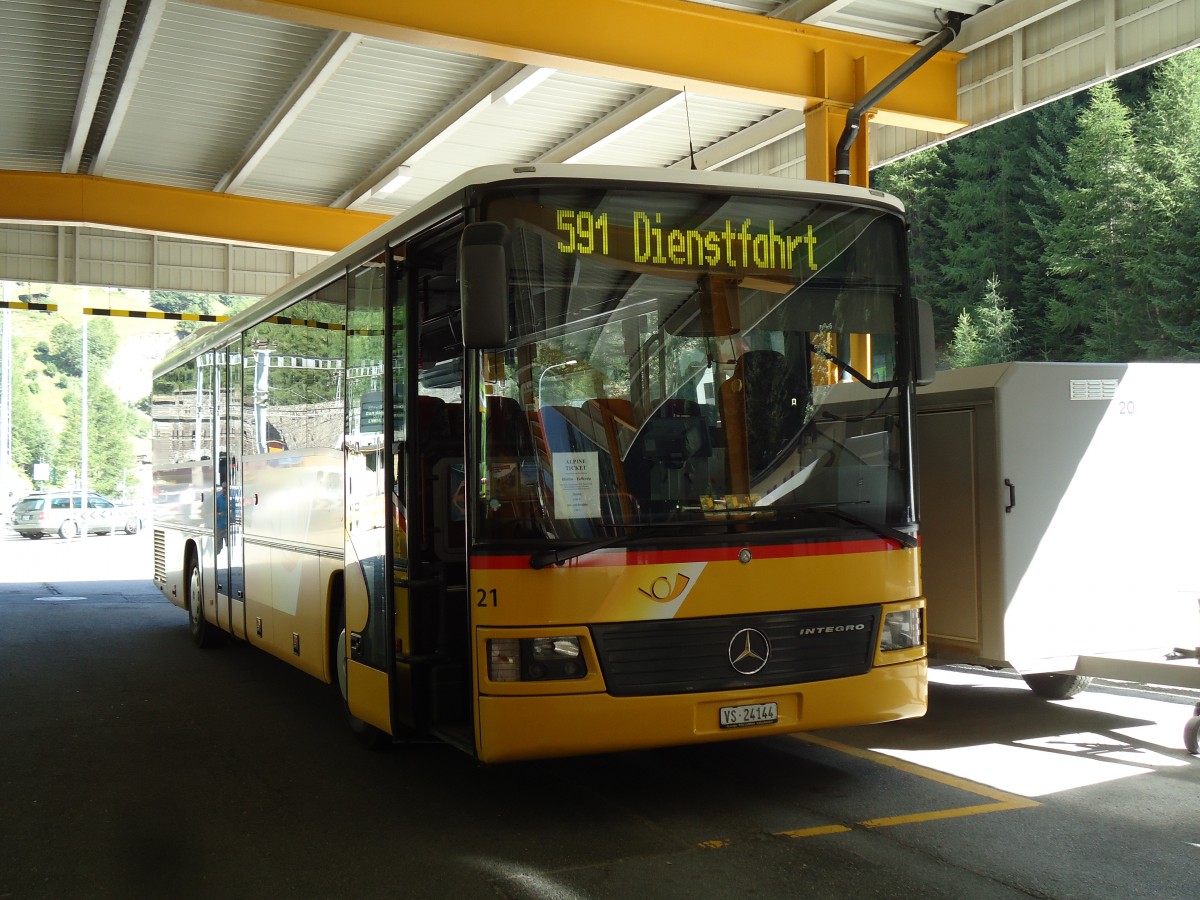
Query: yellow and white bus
[568,460]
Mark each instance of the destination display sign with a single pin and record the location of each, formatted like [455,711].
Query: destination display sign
[734,244]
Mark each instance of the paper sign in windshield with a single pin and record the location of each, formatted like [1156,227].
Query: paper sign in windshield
[576,486]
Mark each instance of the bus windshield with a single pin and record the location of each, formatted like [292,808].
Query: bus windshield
[694,358]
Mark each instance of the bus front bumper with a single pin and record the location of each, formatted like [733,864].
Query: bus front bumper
[514,728]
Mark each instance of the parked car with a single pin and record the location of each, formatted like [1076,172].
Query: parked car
[65,514]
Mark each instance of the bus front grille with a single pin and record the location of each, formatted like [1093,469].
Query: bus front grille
[693,655]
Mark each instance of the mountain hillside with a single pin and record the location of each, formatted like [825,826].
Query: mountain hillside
[46,369]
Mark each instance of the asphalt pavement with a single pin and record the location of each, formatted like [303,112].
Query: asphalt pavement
[133,764]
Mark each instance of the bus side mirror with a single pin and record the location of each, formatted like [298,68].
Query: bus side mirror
[926,350]
[483,282]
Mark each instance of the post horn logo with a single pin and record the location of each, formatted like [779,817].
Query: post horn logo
[662,590]
[749,651]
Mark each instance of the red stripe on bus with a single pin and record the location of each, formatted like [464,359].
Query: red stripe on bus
[625,557]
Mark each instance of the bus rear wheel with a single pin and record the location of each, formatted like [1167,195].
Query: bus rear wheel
[1057,685]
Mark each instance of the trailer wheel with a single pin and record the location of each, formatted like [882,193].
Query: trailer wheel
[1191,735]
[1056,685]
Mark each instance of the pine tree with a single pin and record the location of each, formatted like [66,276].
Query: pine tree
[984,216]
[986,333]
[1107,200]
[1051,128]
[1170,262]
[918,182]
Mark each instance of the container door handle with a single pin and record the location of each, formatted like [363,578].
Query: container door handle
[1012,495]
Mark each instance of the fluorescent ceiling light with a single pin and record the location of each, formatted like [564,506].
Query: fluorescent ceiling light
[628,128]
[399,178]
[527,84]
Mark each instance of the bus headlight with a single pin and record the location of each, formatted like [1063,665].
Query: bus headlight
[535,659]
[901,630]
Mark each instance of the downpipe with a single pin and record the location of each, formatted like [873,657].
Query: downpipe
[841,168]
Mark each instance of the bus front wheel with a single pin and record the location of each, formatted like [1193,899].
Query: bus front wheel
[368,735]
[202,632]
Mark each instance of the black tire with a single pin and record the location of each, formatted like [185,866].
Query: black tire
[68,529]
[203,632]
[1191,735]
[1057,685]
[368,735]
[132,526]
[34,536]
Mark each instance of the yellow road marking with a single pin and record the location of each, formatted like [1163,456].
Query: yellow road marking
[813,832]
[955,813]
[953,781]
[1002,801]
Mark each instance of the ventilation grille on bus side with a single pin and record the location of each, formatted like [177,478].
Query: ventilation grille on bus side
[690,655]
[160,558]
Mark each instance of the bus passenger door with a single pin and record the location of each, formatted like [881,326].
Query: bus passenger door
[366,659]
[207,446]
[433,671]
[231,611]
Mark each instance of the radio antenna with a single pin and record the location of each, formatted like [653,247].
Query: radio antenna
[687,112]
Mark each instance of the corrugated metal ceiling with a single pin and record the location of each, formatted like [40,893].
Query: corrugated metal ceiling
[190,95]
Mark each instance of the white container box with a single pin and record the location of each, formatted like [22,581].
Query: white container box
[1060,517]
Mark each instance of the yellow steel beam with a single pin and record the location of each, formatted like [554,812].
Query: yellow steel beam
[663,43]
[109,203]
[823,126]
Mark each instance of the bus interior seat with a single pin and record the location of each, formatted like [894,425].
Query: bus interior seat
[675,433]
[512,509]
[613,416]
[764,401]
[507,429]
[438,451]
[433,422]
[454,416]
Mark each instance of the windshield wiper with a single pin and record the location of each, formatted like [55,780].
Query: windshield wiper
[903,538]
[845,366]
[560,555]
[883,531]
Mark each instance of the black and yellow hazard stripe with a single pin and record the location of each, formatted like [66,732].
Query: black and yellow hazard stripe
[20,304]
[201,317]
[310,323]
[153,314]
